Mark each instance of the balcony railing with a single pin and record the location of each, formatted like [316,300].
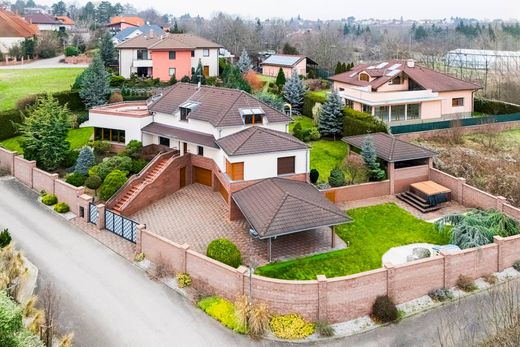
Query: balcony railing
[143,63]
[387,98]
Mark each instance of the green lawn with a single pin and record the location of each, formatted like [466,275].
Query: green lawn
[16,84]
[77,138]
[305,122]
[374,231]
[326,155]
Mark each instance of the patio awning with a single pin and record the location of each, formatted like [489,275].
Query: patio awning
[277,206]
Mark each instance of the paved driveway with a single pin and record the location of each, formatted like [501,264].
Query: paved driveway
[50,63]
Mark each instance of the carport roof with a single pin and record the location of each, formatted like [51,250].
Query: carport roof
[277,206]
[181,134]
[391,149]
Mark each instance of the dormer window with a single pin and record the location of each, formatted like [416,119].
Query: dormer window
[364,77]
[396,80]
[252,115]
[186,108]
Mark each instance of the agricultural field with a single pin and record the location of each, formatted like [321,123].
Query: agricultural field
[17,84]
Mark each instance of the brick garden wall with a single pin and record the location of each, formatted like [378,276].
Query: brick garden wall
[406,176]
[7,159]
[358,191]
[44,181]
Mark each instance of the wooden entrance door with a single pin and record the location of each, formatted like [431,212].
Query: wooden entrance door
[202,176]
[184,148]
[182,177]
[206,70]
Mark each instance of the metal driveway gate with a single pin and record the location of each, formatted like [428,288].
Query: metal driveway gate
[121,226]
[92,213]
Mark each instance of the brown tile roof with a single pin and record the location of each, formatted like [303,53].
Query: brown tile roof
[185,40]
[181,134]
[66,20]
[41,18]
[257,139]
[428,79]
[141,41]
[391,149]
[277,206]
[12,25]
[217,106]
[136,21]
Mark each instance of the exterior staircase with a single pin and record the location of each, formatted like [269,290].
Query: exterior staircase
[137,183]
[418,202]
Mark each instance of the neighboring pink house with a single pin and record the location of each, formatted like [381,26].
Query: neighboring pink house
[122,22]
[288,63]
[400,90]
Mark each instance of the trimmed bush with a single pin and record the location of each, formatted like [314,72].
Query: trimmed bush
[71,156]
[101,147]
[112,183]
[440,294]
[360,123]
[224,251]
[5,238]
[25,102]
[336,178]
[223,311]
[493,107]
[384,310]
[93,182]
[310,100]
[76,179]
[314,175]
[115,97]
[183,280]
[8,119]
[117,81]
[49,199]
[133,148]
[71,51]
[465,283]
[291,327]
[117,162]
[71,98]
[61,207]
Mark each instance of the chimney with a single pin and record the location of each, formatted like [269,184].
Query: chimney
[151,33]
[410,63]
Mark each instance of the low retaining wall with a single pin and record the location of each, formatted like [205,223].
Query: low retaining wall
[333,299]
[409,175]
[357,192]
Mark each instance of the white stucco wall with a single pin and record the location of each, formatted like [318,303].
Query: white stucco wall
[131,125]
[7,42]
[211,61]
[126,58]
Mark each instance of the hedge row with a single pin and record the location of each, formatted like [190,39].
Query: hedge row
[359,123]
[494,107]
[7,118]
[309,101]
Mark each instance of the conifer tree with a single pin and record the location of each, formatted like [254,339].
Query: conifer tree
[107,50]
[198,75]
[244,62]
[94,85]
[280,78]
[331,116]
[85,161]
[294,92]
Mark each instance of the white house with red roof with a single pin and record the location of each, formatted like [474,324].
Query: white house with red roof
[400,90]
[13,30]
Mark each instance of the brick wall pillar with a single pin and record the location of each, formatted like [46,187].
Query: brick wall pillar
[54,178]
[139,238]
[460,190]
[184,264]
[391,177]
[390,280]
[499,241]
[322,298]
[83,201]
[101,216]
[500,203]
[430,167]
[447,268]
[242,272]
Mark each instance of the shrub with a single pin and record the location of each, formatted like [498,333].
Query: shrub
[8,121]
[112,183]
[325,329]
[117,81]
[139,257]
[25,102]
[71,51]
[223,311]
[516,265]
[491,279]
[314,175]
[11,320]
[133,148]
[75,179]
[93,182]
[61,207]
[466,284]
[384,310]
[185,79]
[440,294]
[85,161]
[71,98]
[138,165]
[183,280]
[115,97]
[101,147]
[310,100]
[117,162]
[71,156]
[5,238]
[162,268]
[494,107]
[49,199]
[336,178]
[291,327]
[224,251]
[314,134]
[360,123]
[259,318]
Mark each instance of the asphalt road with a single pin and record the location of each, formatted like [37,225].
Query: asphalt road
[108,302]
[50,63]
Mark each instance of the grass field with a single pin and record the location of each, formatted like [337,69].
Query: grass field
[17,84]
[77,139]
[374,231]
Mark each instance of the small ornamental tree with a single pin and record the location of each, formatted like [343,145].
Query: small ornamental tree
[111,184]
[107,51]
[336,178]
[45,133]
[95,84]
[368,152]
[86,160]
[244,62]
[330,121]
[280,78]
[294,92]
[314,175]
[198,75]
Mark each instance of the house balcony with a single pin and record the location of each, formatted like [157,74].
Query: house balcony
[142,63]
[388,98]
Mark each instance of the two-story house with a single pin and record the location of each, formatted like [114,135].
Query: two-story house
[400,90]
[166,56]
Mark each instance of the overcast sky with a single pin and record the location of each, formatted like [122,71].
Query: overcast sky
[336,9]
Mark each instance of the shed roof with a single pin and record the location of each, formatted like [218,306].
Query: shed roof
[277,206]
[286,60]
[391,149]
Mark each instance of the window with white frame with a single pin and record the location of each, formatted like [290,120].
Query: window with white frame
[205,52]
[171,71]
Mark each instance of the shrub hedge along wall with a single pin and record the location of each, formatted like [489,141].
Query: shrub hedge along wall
[7,128]
[494,107]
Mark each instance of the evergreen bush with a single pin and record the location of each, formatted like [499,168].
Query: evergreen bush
[113,181]
[224,251]
[86,159]
[336,178]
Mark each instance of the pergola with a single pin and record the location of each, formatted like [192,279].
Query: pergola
[275,207]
